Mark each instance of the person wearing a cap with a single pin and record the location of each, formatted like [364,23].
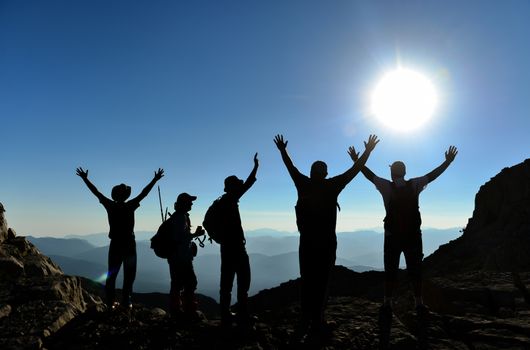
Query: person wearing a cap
[234,257]
[316,218]
[402,225]
[122,249]
[183,280]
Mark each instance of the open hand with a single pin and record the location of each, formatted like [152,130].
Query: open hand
[159,174]
[451,153]
[372,142]
[256,161]
[82,173]
[280,143]
[353,155]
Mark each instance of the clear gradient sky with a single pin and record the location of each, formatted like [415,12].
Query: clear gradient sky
[196,87]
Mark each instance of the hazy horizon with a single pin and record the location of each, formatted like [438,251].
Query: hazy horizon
[264,231]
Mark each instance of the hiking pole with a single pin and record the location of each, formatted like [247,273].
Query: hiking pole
[160,201]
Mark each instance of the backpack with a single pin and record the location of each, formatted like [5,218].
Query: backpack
[403,215]
[160,241]
[213,221]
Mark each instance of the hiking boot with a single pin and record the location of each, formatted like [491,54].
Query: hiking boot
[126,302]
[227,318]
[113,306]
[385,314]
[193,316]
[422,311]
[322,330]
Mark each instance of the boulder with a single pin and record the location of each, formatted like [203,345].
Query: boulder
[36,298]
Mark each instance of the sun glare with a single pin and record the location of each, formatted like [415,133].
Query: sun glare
[403,99]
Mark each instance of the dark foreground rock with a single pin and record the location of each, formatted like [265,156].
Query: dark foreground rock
[36,298]
[497,237]
[356,319]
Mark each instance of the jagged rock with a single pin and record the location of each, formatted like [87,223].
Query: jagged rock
[481,292]
[36,298]
[497,237]
[5,310]
[11,234]
[10,267]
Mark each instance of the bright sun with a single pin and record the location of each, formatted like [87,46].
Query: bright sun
[403,99]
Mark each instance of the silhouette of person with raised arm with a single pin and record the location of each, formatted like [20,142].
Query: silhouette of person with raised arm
[402,225]
[234,257]
[122,249]
[180,260]
[316,218]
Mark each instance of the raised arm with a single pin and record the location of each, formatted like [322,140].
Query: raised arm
[282,147]
[450,155]
[83,174]
[252,176]
[369,174]
[250,179]
[158,175]
[359,163]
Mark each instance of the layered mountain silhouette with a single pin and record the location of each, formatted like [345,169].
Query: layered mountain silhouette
[273,257]
[475,287]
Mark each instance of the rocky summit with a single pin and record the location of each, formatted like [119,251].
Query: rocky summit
[36,298]
[475,287]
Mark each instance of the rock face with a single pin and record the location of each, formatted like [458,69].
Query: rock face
[36,298]
[497,237]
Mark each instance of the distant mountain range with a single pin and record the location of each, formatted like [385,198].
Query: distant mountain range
[273,257]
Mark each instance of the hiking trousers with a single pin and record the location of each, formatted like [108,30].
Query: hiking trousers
[234,261]
[317,258]
[183,281]
[410,244]
[121,252]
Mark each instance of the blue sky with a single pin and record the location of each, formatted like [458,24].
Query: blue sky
[197,87]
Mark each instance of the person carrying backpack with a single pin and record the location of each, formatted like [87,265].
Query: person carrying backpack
[316,218]
[180,259]
[234,257]
[122,248]
[402,225]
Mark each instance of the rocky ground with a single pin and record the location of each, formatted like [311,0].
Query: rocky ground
[36,298]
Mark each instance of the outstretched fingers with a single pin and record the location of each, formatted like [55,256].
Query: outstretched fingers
[159,173]
[353,154]
[279,141]
[81,172]
[451,153]
[372,142]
